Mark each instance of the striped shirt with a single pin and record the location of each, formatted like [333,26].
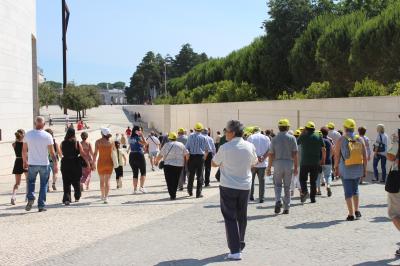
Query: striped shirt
[211,144]
[197,144]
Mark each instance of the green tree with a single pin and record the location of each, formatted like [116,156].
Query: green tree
[376,47]
[47,94]
[368,88]
[118,85]
[318,90]
[334,50]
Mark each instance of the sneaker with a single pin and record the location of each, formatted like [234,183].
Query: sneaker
[303,197]
[42,210]
[12,201]
[236,256]
[29,205]
[329,191]
[134,192]
[358,214]
[285,212]
[143,190]
[105,200]
[54,187]
[278,207]
[350,218]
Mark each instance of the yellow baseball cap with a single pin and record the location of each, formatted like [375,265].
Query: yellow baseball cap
[284,123]
[198,127]
[330,125]
[181,130]
[349,123]
[310,124]
[172,136]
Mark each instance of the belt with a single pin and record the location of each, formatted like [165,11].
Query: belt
[18,157]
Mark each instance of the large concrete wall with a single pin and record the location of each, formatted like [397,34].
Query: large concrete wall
[17,65]
[17,72]
[367,111]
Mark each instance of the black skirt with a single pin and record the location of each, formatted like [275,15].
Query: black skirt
[18,167]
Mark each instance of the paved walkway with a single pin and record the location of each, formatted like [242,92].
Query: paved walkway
[148,229]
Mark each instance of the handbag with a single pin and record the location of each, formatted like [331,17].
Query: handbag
[393,179]
[381,146]
[162,163]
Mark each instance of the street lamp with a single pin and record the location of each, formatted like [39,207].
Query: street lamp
[65,20]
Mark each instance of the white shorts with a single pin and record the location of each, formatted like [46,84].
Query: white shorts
[153,154]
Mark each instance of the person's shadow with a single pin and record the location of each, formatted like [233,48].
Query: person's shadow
[378,262]
[194,262]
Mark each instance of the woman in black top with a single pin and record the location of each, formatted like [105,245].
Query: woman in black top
[18,169]
[71,167]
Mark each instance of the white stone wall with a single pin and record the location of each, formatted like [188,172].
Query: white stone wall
[17,28]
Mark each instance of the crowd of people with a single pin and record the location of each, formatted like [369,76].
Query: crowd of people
[305,159]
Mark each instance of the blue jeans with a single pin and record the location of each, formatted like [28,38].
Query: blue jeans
[43,172]
[381,158]
[327,172]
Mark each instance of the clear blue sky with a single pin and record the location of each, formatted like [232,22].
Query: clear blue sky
[108,38]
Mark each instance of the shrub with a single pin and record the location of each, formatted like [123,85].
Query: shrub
[368,88]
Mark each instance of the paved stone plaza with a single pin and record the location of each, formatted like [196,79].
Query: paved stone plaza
[148,229]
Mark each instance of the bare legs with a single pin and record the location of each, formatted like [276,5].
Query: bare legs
[352,204]
[104,186]
[15,188]
[396,222]
[136,181]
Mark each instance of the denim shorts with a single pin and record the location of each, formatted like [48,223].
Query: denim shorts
[350,187]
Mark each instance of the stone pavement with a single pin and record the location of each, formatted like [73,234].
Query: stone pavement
[148,229]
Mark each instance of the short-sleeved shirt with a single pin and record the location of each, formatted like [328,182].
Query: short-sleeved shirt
[235,159]
[211,144]
[262,144]
[197,144]
[352,171]
[182,139]
[283,146]
[328,147]
[38,142]
[334,135]
[382,138]
[173,153]
[311,144]
[153,143]
[134,142]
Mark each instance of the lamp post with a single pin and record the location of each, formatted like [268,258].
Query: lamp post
[65,20]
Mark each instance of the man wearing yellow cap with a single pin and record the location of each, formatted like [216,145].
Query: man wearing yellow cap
[198,148]
[312,146]
[332,133]
[283,156]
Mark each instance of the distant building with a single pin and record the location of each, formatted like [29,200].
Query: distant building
[40,75]
[113,96]
[18,67]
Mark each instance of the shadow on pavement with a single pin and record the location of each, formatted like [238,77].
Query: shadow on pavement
[194,262]
[259,217]
[381,219]
[378,262]
[372,206]
[211,206]
[317,225]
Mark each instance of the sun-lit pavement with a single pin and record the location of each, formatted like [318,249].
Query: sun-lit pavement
[148,229]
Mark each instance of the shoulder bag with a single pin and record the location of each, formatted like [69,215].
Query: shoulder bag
[393,179]
[162,163]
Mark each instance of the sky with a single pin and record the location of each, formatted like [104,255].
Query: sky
[108,38]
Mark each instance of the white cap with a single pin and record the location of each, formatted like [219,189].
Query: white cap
[105,131]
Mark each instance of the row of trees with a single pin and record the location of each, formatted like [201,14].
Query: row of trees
[149,74]
[76,98]
[309,45]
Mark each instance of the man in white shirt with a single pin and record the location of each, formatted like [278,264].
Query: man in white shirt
[262,143]
[235,159]
[154,148]
[37,145]
[332,133]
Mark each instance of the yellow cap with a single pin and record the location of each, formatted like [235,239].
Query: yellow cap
[181,130]
[297,133]
[310,124]
[349,123]
[330,125]
[199,126]
[301,128]
[284,123]
[172,136]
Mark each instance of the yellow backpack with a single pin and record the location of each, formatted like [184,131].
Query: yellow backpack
[356,150]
